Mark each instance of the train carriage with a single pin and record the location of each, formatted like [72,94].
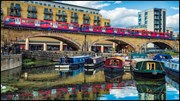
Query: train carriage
[12,21]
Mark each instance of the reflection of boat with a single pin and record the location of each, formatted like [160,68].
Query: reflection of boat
[92,63]
[171,65]
[114,65]
[147,68]
[170,81]
[113,77]
[149,89]
[71,65]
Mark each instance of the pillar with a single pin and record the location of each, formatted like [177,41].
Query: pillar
[61,46]
[45,47]
[114,45]
[27,44]
[90,48]
[102,49]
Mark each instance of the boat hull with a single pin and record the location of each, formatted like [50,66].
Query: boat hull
[149,75]
[172,73]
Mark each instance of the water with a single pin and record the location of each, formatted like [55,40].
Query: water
[99,87]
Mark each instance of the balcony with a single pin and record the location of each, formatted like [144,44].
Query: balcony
[34,16]
[18,14]
[74,21]
[50,12]
[97,19]
[17,7]
[107,25]
[29,15]
[156,13]
[86,22]
[61,14]
[86,17]
[61,20]
[12,14]
[46,18]
[74,16]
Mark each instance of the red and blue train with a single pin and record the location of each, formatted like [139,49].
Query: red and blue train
[74,27]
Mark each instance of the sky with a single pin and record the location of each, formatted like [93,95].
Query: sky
[124,13]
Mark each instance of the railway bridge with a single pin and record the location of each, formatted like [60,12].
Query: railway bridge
[62,41]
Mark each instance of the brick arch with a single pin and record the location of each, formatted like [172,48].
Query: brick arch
[67,40]
[107,39]
[155,41]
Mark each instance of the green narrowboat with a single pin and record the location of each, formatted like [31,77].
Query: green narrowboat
[147,68]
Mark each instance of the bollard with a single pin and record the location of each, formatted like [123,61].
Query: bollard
[25,75]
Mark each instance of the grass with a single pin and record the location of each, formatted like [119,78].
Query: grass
[32,62]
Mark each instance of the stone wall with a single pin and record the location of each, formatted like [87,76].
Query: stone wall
[10,61]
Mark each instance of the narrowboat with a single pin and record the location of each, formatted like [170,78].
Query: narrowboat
[173,68]
[71,65]
[92,64]
[149,89]
[147,68]
[114,65]
[164,58]
[172,82]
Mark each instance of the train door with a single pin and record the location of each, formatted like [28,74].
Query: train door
[55,25]
[37,23]
[140,33]
[90,28]
[17,21]
[115,30]
[70,26]
[103,29]
[126,31]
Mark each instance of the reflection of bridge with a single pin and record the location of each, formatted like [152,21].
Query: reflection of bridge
[40,40]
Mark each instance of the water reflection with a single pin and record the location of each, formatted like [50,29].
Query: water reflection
[12,74]
[119,86]
[151,89]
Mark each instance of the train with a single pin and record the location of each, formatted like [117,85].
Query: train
[86,28]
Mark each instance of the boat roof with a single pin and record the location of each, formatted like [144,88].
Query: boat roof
[80,56]
[117,57]
[142,59]
[162,56]
[175,60]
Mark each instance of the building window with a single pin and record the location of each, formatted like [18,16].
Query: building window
[32,2]
[93,12]
[44,4]
[54,5]
[59,6]
[72,8]
[68,7]
[86,11]
[49,4]
[63,7]
[36,2]
[40,3]
[75,9]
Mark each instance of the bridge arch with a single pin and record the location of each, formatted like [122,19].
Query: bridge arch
[115,40]
[161,44]
[71,42]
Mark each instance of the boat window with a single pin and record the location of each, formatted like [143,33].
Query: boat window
[150,66]
[114,62]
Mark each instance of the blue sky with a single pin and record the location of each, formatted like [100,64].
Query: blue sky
[124,13]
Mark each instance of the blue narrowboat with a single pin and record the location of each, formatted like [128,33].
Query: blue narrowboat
[171,65]
[71,65]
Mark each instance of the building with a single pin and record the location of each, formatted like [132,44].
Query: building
[154,19]
[138,27]
[53,11]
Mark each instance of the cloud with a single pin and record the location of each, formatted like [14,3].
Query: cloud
[117,2]
[175,8]
[94,4]
[124,92]
[121,17]
[173,21]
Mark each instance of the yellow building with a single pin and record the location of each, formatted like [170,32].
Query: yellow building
[53,11]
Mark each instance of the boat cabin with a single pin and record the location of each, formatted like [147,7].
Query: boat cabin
[115,62]
[138,55]
[147,64]
[162,57]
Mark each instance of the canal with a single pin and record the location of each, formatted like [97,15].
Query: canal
[46,83]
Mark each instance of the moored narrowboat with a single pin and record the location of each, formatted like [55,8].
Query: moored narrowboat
[147,68]
[91,64]
[71,65]
[114,65]
[173,68]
